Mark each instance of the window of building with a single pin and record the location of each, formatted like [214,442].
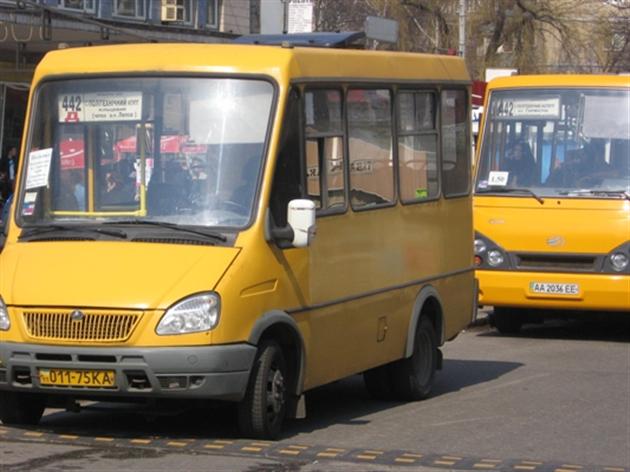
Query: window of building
[180,11]
[370,147]
[130,8]
[455,143]
[81,5]
[417,146]
[213,14]
[325,168]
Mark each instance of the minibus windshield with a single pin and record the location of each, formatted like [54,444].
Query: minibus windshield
[184,151]
[556,142]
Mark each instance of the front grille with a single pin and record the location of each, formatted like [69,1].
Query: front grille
[95,327]
[556,262]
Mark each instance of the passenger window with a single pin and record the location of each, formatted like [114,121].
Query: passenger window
[325,169]
[417,146]
[455,143]
[370,147]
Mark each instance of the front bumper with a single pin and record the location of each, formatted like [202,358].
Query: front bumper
[209,372]
[605,292]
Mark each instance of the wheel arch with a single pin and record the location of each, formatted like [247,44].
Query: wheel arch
[281,327]
[428,303]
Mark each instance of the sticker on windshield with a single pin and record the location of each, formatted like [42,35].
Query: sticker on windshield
[511,108]
[38,168]
[28,207]
[100,106]
[498,178]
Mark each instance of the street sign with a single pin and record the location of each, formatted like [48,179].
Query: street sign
[381,29]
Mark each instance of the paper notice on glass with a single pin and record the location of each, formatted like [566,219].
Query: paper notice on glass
[38,168]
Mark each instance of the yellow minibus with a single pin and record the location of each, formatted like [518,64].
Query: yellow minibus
[239,223]
[552,198]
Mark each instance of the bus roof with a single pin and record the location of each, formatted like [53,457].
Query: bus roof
[282,63]
[560,80]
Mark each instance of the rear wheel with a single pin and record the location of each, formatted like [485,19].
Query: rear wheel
[21,408]
[507,320]
[412,378]
[262,411]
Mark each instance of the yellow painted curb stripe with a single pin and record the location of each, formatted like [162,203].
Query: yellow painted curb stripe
[328,454]
[415,456]
[176,444]
[525,467]
[220,441]
[484,466]
[298,447]
[289,452]
[68,436]
[140,441]
[34,434]
[531,462]
[334,449]
[565,470]
[405,460]
[378,453]
[444,462]
[366,457]
[495,461]
[103,439]
[251,449]
[214,446]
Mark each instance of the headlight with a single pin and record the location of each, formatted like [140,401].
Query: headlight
[191,315]
[495,258]
[619,261]
[5,323]
[480,246]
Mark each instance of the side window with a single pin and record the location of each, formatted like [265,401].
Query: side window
[455,145]
[287,182]
[370,147]
[417,146]
[325,169]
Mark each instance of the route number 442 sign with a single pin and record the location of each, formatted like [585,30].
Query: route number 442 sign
[100,106]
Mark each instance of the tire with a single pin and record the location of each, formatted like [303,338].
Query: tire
[18,408]
[412,378]
[262,411]
[507,321]
[378,383]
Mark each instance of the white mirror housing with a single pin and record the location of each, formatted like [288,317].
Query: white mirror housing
[301,219]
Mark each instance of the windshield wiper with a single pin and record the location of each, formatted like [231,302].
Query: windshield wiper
[512,190]
[31,231]
[609,193]
[171,226]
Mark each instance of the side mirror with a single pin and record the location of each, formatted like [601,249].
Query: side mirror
[301,219]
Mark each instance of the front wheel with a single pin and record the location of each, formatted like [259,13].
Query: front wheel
[262,411]
[21,408]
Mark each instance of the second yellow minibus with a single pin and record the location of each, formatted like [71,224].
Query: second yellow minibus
[235,222]
[552,198]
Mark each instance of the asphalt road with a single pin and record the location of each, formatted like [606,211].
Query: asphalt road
[555,398]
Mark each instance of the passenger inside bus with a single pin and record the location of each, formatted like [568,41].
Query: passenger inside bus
[520,164]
